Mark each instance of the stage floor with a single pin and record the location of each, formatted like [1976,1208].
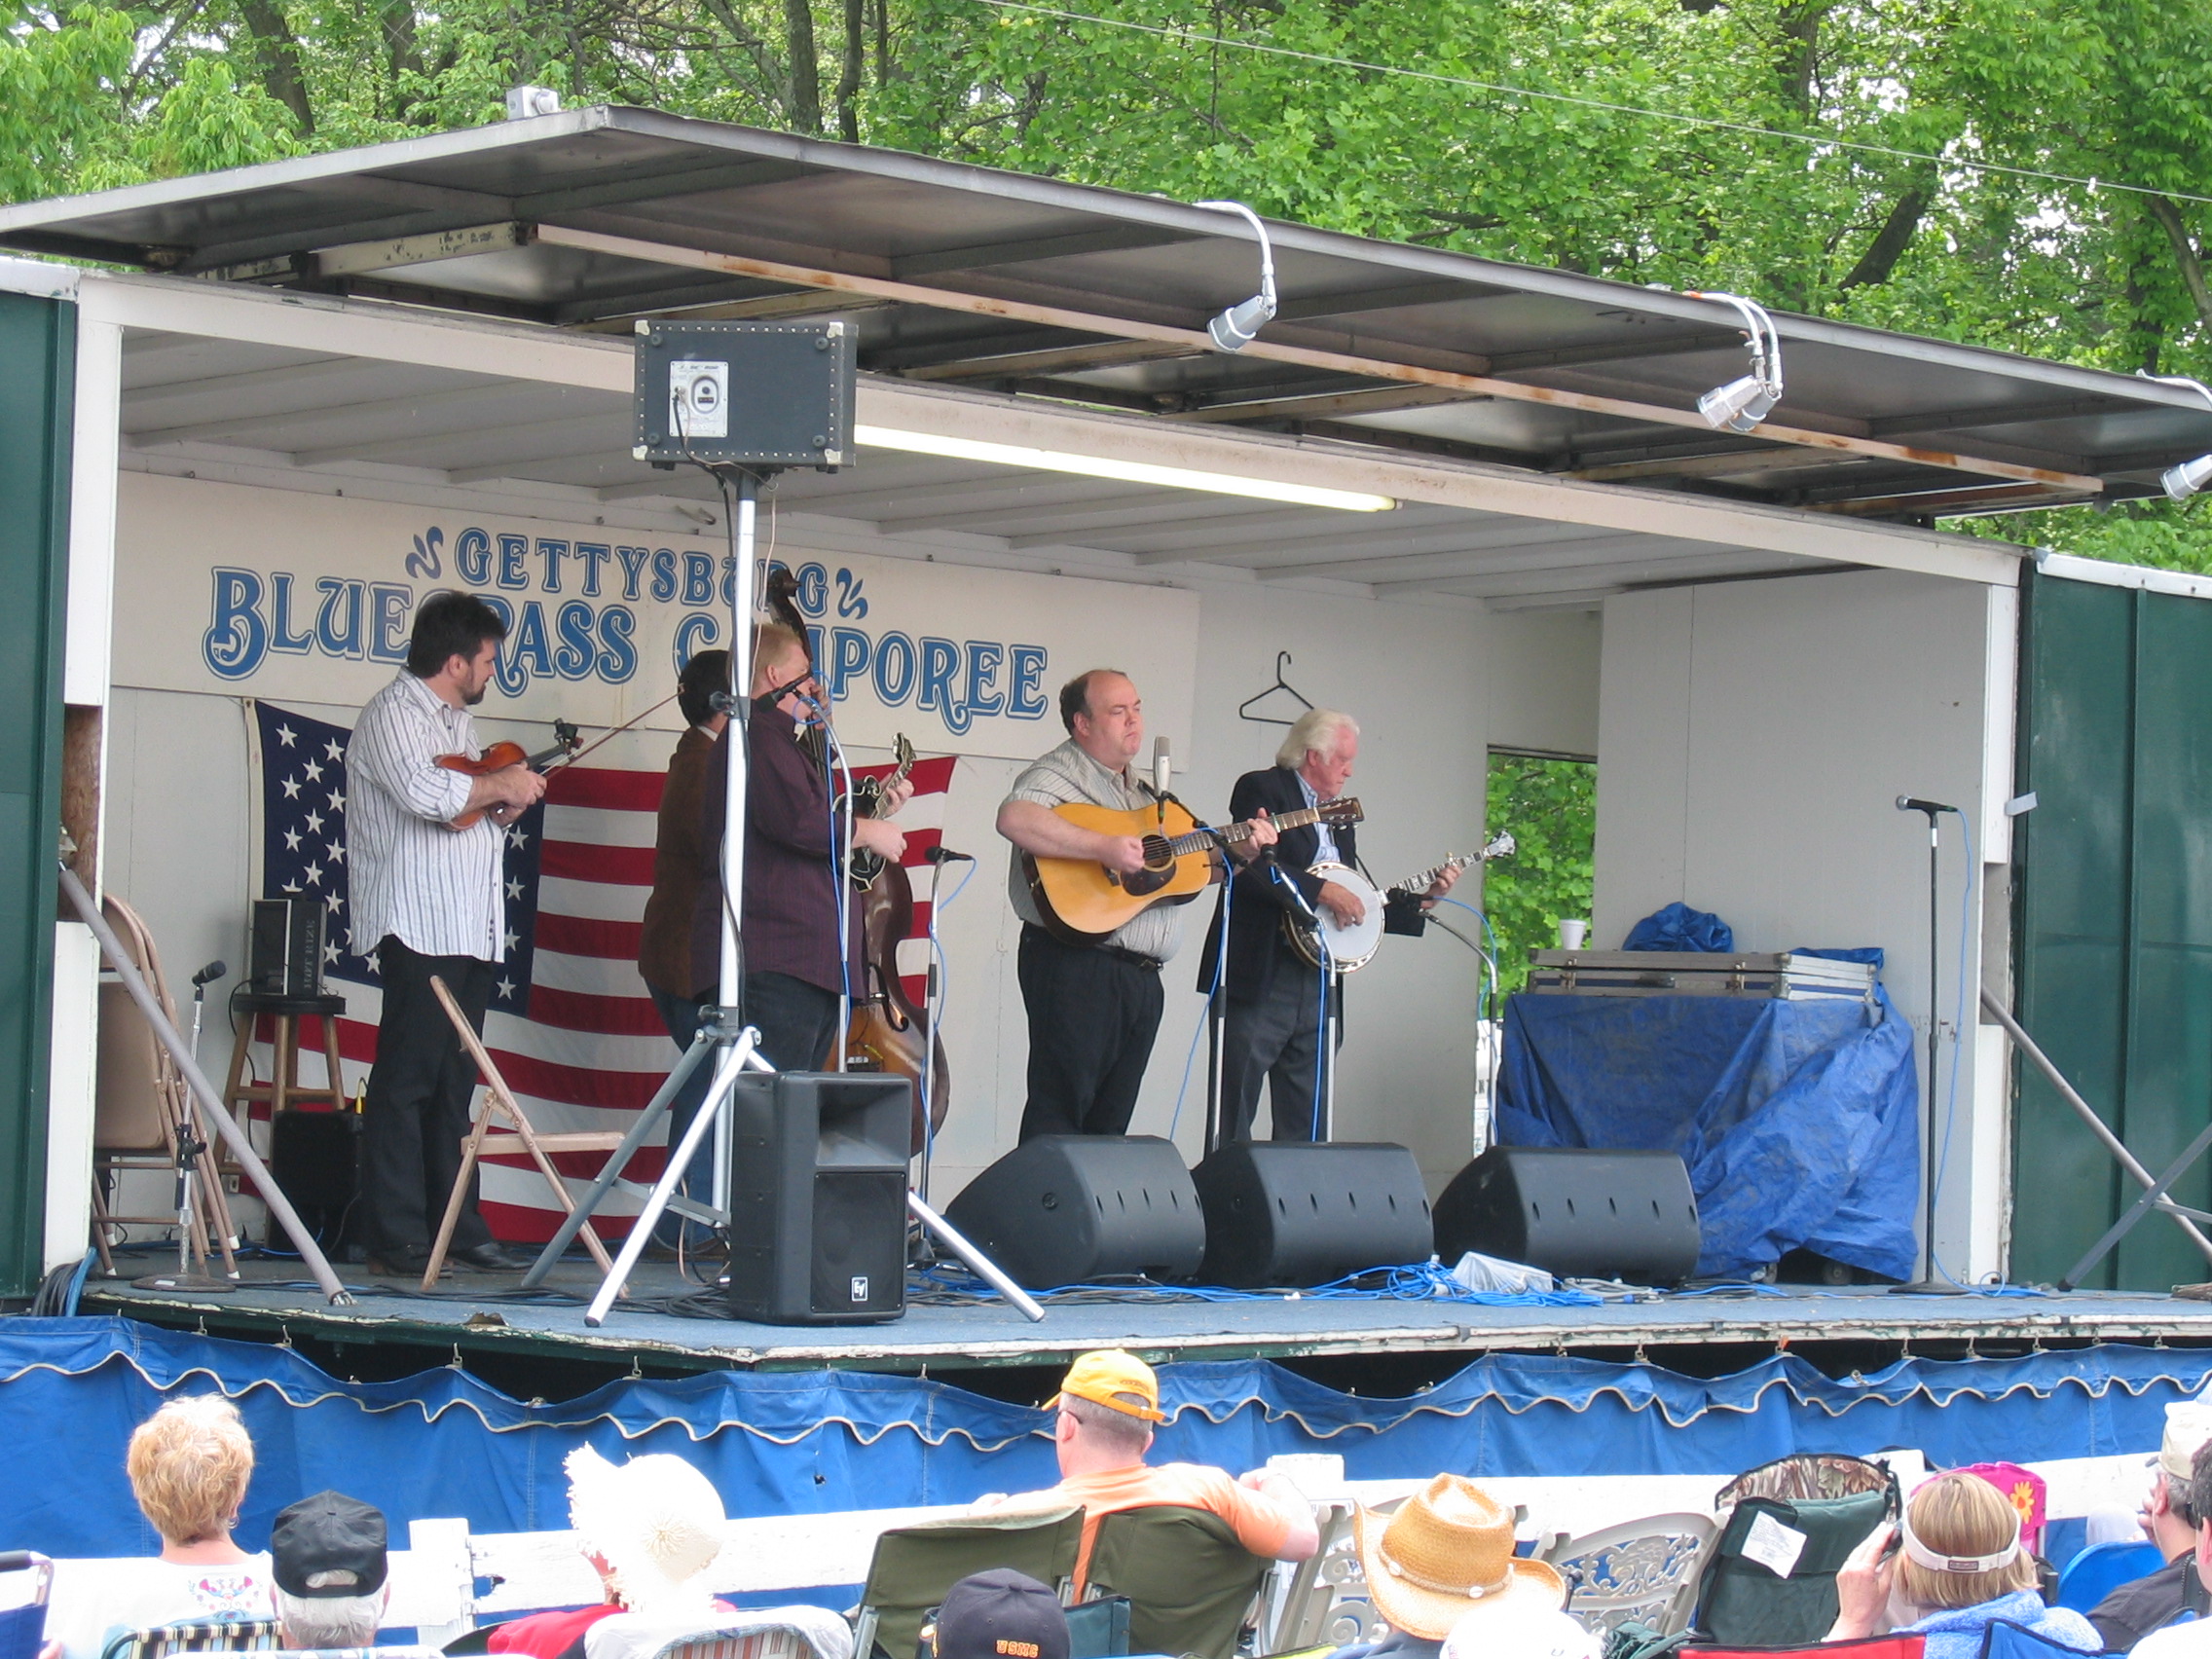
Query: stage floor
[480,1313]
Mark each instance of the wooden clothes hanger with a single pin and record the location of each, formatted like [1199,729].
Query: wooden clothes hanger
[1244,708]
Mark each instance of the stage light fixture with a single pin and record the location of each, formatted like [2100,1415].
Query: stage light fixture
[1239,325]
[1123,471]
[1742,404]
[2186,480]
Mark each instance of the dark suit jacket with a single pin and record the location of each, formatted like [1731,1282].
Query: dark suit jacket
[1258,948]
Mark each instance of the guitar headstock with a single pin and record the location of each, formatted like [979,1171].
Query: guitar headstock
[902,752]
[1346,810]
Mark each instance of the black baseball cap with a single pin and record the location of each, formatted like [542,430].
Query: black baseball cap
[1001,1614]
[333,1538]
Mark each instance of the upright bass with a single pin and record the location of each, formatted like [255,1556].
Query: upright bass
[886,1032]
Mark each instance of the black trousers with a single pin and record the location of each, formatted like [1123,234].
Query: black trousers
[1093,1016]
[795,1019]
[1275,1039]
[416,1115]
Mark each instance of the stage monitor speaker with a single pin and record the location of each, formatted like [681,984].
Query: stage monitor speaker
[760,394]
[818,1198]
[314,1159]
[1300,1213]
[284,955]
[1575,1212]
[1072,1209]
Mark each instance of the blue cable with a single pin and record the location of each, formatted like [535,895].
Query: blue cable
[77,1285]
[837,876]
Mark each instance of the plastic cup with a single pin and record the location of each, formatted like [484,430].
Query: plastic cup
[1571,934]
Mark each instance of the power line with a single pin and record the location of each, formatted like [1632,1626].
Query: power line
[1710,121]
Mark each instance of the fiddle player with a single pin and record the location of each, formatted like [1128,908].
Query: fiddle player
[427,901]
[1271,1002]
[793,969]
[1093,1009]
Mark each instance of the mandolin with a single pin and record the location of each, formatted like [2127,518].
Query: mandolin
[566,740]
[1082,902]
[862,865]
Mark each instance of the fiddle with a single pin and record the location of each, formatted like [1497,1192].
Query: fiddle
[566,740]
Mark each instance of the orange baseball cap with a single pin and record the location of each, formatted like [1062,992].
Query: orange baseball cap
[1116,1380]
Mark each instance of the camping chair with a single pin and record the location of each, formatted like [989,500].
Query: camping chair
[759,1633]
[2098,1571]
[484,1139]
[209,1636]
[1819,1507]
[1190,1584]
[1893,1646]
[1645,1570]
[1306,1616]
[140,1104]
[913,1566]
[2005,1639]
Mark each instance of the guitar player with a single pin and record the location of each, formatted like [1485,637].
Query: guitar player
[1272,1002]
[1093,1009]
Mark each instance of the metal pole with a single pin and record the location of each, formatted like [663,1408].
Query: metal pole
[1327,1128]
[2142,1207]
[730,991]
[1935,1035]
[932,989]
[2097,1126]
[980,1265]
[203,1091]
[1217,1056]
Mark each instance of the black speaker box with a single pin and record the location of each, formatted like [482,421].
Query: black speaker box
[754,394]
[315,1158]
[818,1198]
[1068,1209]
[284,953]
[1577,1212]
[1294,1213]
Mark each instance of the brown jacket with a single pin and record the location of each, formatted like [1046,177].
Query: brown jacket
[682,858]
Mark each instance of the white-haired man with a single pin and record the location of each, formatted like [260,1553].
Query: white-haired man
[1271,1004]
[327,1554]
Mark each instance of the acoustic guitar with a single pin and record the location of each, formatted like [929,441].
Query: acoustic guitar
[1082,902]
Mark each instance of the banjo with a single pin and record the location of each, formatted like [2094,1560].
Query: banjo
[1347,949]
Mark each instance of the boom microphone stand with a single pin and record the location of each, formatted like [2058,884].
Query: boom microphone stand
[1928,1284]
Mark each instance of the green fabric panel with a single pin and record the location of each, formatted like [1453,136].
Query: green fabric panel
[1188,1579]
[913,1566]
[37,376]
[1745,1604]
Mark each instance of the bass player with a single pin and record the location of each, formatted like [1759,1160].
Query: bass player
[1272,1005]
[1093,1009]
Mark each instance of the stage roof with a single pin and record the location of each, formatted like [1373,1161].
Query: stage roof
[966,277]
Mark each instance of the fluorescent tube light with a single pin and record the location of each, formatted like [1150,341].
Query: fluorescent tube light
[1125,471]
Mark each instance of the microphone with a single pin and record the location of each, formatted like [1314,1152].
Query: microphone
[1162,769]
[941,855]
[1913,803]
[208,975]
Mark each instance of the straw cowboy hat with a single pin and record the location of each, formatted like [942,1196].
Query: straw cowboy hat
[1446,1554]
[656,1522]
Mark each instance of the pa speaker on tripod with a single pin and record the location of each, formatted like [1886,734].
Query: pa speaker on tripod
[818,1198]
[1577,1212]
[1066,1209]
[1299,1213]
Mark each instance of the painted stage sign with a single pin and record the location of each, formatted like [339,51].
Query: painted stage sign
[289,595]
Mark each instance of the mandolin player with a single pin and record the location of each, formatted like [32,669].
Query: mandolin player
[1093,1009]
[1272,1002]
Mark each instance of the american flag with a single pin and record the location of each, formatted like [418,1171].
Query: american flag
[570,1025]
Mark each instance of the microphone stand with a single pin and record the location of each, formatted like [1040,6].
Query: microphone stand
[1928,1284]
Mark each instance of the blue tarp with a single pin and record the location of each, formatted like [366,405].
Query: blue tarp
[443,1443]
[1678,927]
[1799,1120]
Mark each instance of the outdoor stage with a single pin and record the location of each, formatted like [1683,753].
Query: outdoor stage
[479,1319]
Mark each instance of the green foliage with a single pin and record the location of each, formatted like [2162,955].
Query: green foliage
[1551,808]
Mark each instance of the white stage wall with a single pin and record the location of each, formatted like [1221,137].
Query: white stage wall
[1753,738]
[1433,687]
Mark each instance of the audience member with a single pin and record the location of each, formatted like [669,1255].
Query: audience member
[327,1555]
[2172,1522]
[1958,1569]
[1443,1566]
[1107,1403]
[2192,1639]
[650,1528]
[189,1465]
[1000,1615]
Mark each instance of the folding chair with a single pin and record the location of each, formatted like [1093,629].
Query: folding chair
[761,1633]
[1190,1584]
[1645,1570]
[2098,1571]
[2005,1639]
[1827,1500]
[913,1566]
[141,1103]
[1305,1615]
[484,1139]
[208,1636]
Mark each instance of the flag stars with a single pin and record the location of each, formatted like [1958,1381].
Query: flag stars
[315,875]
[506,988]
[314,822]
[514,890]
[329,954]
[291,789]
[291,840]
[336,850]
[507,943]
[337,801]
[287,736]
[335,750]
[314,770]
[516,838]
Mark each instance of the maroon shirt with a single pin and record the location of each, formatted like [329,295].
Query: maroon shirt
[790,920]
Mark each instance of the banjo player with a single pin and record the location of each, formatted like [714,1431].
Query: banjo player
[1272,1009]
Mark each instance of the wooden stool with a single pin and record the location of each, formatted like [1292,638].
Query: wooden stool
[284,1087]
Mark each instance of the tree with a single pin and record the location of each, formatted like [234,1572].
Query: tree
[1551,807]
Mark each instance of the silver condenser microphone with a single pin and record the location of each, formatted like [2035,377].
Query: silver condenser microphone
[1162,769]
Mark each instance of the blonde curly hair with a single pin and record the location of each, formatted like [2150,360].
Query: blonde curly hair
[189,1465]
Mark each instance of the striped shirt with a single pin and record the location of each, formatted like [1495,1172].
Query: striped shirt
[436,890]
[1067,774]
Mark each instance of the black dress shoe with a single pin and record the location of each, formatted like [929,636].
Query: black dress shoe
[401,1261]
[491,1257]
